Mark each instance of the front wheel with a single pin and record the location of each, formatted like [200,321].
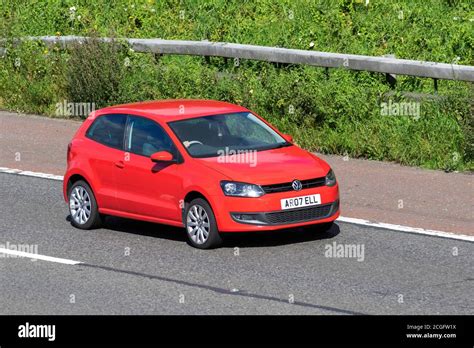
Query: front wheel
[201,226]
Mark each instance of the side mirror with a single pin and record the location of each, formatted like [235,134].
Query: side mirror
[162,156]
[288,138]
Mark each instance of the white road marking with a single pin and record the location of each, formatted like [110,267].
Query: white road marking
[38,256]
[28,173]
[350,220]
[407,229]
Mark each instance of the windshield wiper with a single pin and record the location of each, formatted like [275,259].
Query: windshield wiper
[272,147]
[282,145]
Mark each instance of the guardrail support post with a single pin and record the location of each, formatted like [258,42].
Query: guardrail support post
[391,78]
[435,85]
[157,56]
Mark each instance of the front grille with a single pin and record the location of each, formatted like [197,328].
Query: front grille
[298,215]
[284,187]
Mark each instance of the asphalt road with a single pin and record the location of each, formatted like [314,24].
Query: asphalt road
[371,190]
[400,273]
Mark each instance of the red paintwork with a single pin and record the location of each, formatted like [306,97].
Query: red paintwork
[161,156]
[135,187]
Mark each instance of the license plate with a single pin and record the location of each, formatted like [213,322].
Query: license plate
[301,201]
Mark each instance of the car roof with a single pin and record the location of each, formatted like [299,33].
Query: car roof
[173,110]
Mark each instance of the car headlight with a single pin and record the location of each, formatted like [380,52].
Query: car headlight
[241,189]
[330,178]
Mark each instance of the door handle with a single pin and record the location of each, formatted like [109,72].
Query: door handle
[120,164]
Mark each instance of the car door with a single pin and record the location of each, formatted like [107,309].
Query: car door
[104,149]
[148,188]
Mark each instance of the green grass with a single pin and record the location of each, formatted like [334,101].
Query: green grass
[339,113]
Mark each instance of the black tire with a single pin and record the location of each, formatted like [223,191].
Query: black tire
[213,239]
[95,218]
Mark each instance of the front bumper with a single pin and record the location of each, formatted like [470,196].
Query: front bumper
[238,214]
[287,217]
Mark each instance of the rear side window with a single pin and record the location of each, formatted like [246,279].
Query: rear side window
[108,130]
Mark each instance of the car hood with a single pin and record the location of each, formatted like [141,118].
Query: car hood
[270,166]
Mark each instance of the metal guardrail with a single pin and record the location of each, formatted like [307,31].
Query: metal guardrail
[385,65]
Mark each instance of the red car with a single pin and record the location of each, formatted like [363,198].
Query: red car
[205,165]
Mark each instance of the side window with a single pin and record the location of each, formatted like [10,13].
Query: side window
[108,130]
[146,137]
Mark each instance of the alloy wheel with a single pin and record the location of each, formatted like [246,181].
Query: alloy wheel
[80,205]
[197,224]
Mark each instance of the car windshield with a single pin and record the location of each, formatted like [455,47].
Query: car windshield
[210,136]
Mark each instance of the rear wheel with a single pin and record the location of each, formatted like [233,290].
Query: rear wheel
[83,206]
[201,226]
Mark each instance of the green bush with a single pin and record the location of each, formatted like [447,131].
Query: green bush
[94,72]
[32,78]
[337,113]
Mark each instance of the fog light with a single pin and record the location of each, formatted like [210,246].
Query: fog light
[335,207]
[247,218]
